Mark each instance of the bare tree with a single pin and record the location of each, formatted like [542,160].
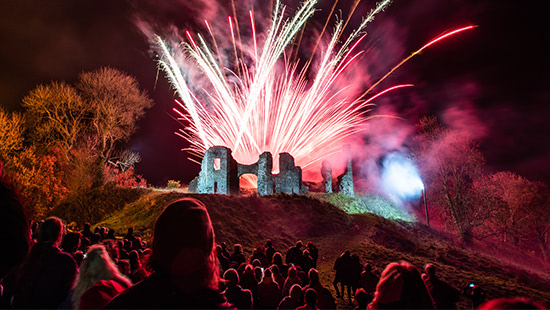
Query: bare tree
[115,103]
[450,162]
[125,160]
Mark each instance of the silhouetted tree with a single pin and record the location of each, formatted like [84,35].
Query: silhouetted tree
[450,162]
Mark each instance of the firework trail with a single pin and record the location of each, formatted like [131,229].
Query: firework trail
[267,101]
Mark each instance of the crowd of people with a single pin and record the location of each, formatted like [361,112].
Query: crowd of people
[183,267]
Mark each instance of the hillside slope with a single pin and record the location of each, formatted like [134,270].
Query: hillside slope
[287,218]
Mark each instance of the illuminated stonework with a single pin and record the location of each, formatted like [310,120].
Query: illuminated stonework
[220,174]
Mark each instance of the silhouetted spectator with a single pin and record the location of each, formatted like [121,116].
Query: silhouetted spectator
[269,250]
[339,276]
[259,254]
[313,252]
[248,281]
[84,244]
[48,274]
[122,252]
[269,293]
[71,243]
[224,261]
[130,235]
[235,294]
[258,274]
[444,295]
[310,297]
[294,300]
[15,234]
[110,235]
[369,279]
[355,272]
[225,251]
[362,299]
[307,261]
[290,280]
[78,257]
[184,262]
[511,303]
[278,260]
[294,254]
[401,287]
[277,277]
[237,257]
[475,293]
[98,281]
[325,299]
[86,232]
[124,267]
[137,270]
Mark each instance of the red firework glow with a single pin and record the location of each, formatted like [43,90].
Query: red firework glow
[271,103]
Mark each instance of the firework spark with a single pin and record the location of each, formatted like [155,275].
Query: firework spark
[267,101]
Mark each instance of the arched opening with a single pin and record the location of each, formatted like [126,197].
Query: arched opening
[248,184]
[215,187]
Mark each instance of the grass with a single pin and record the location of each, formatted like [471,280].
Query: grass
[335,223]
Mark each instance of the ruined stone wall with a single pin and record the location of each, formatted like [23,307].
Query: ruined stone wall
[224,179]
[219,172]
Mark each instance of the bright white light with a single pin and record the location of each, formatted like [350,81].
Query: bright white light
[400,177]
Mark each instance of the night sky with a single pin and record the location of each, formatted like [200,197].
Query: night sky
[492,81]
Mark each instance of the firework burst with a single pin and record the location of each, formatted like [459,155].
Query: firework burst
[268,100]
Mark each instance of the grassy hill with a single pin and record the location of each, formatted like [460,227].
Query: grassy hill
[287,218]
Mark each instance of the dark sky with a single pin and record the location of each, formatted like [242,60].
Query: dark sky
[492,81]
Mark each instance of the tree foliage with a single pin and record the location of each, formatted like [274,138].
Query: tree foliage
[115,103]
[56,114]
[11,133]
[66,135]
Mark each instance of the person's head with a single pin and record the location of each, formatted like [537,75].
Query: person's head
[268,243]
[310,297]
[368,267]
[313,276]
[256,263]
[309,244]
[511,303]
[183,245]
[231,277]
[130,230]
[292,272]
[238,249]
[429,269]
[277,258]
[51,231]
[346,254]
[71,242]
[401,286]
[296,292]
[275,270]
[299,244]
[96,266]
[362,298]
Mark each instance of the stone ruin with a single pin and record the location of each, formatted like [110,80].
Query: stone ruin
[220,174]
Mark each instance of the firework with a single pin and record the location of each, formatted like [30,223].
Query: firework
[268,100]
